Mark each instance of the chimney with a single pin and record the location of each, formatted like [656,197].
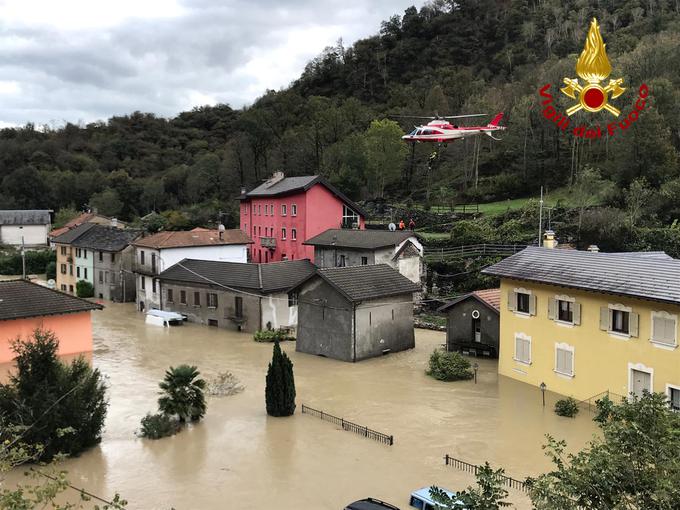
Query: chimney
[549,240]
[243,190]
[114,222]
[593,248]
[276,177]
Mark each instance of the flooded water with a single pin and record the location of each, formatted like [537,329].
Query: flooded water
[238,458]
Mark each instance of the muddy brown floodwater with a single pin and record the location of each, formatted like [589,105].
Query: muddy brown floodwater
[238,458]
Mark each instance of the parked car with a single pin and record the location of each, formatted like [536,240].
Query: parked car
[370,504]
[421,500]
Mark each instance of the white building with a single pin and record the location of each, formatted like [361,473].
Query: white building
[158,252]
[28,227]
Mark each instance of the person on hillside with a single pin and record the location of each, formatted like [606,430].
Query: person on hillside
[412,225]
[402,225]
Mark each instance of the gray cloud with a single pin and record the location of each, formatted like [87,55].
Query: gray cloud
[208,51]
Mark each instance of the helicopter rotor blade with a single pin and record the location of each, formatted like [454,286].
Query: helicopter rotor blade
[464,116]
[412,117]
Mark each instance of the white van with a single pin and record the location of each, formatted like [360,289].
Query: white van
[421,500]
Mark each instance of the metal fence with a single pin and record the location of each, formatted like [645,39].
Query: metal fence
[591,402]
[349,426]
[471,468]
[473,250]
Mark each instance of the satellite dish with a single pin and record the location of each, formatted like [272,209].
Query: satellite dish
[392,227]
[51,283]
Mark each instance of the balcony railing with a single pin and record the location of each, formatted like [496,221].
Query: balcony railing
[268,242]
[350,223]
[146,269]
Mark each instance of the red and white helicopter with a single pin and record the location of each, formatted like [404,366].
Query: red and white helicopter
[440,130]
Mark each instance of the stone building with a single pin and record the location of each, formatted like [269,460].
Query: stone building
[473,323]
[341,247]
[237,296]
[354,313]
[25,227]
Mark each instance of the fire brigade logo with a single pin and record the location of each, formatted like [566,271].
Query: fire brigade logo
[593,67]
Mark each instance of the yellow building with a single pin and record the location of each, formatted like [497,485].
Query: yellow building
[66,254]
[587,322]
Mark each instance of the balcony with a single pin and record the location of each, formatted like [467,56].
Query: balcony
[268,242]
[350,223]
[147,269]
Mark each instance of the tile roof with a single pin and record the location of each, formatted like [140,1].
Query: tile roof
[196,237]
[651,275]
[359,239]
[71,235]
[21,299]
[86,217]
[289,185]
[25,217]
[105,238]
[359,283]
[263,278]
[489,297]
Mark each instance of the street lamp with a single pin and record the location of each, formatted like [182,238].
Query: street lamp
[543,387]
[475,367]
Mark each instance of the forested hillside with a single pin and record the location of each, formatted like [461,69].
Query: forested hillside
[448,57]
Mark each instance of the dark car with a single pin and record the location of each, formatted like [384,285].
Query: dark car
[370,504]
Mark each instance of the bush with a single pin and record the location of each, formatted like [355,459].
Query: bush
[84,289]
[272,335]
[449,366]
[157,426]
[36,261]
[51,271]
[280,389]
[566,407]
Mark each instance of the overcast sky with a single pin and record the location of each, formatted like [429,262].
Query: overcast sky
[85,60]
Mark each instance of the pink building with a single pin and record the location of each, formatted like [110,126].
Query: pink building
[281,214]
[25,306]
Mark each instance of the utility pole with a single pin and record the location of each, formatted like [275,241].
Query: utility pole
[23,259]
[540,217]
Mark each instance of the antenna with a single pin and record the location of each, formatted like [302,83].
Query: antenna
[540,217]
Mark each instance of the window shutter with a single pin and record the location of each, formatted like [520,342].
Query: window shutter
[552,306]
[633,327]
[512,300]
[532,304]
[577,313]
[604,318]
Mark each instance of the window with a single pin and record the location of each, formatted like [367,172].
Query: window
[522,348]
[101,256]
[259,230]
[564,359]
[523,302]
[238,307]
[113,277]
[283,233]
[663,328]
[169,295]
[63,251]
[153,262]
[293,298]
[364,261]
[106,277]
[271,209]
[113,258]
[153,285]
[101,276]
[63,268]
[259,210]
[350,219]
[183,297]
[266,210]
[197,299]
[142,281]
[342,261]
[70,269]
[77,252]
[620,320]
[70,289]
[293,210]
[77,271]
[85,254]
[673,397]
[141,257]
[565,311]
[254,230]
[283,209]
[85,273]
[212,300]
[212,322]
[293,234]
[63,287]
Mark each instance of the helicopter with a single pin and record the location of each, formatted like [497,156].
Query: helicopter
[440,130]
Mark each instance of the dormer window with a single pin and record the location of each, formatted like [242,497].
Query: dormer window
[350,219]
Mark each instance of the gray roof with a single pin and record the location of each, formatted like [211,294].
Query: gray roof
[290,185]
[652,276]
[105,238]
[360,283]
[20,299]
[25,217]
[359,239]
[71,235]
[263,278]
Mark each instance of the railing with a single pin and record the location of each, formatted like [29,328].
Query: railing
[268,242]
[146,269]
[473,250]
[349,426]
[471,468]
[590,401]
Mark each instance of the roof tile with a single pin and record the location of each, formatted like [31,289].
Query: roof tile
[21,299]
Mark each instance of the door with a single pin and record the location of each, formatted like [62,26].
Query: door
[640,381]
[477,329]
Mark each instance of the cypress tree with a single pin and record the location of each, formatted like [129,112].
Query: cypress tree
[280,389]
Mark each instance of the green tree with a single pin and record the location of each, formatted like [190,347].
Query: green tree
[385,155]
[64,215]
[182,393]
[638,200]
[633,465]
[449,366]
[84,289]
[107,202]
[62,407]
[280,388]
[588,190]
[488,495]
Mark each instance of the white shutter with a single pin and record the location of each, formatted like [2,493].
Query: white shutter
[552,307]
[633,324]
[605,318]
[577,313]
[512,300]
[532,304]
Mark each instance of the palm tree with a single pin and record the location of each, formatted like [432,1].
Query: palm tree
[182,393]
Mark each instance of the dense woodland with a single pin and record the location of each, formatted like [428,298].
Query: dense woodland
[482,56]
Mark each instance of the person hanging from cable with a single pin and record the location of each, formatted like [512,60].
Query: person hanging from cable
[402,225]
[411,225]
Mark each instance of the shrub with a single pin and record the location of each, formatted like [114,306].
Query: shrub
[84,289]
[566,407]
[449,366]
[272,335]
[157,426]
[224,384]
[36,261]
[280,388]
[51,271]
